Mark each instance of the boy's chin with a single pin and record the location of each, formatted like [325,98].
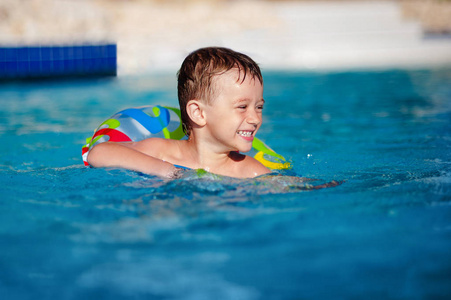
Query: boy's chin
[243,146]
[245,149]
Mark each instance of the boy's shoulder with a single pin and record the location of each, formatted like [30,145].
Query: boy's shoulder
[249,166]
[156,147]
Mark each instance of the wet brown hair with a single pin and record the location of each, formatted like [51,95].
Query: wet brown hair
[201,66]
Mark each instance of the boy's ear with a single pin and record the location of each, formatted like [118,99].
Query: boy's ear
[195,111]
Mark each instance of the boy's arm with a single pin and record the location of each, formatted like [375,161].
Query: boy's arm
[121,156]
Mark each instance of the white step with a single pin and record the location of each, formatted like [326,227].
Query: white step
[344,35]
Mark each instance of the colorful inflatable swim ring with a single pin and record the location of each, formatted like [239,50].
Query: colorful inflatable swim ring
[136,124]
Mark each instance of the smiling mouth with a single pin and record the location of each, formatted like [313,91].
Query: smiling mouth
[245,133]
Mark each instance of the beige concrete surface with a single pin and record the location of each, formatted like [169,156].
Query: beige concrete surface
[155,36]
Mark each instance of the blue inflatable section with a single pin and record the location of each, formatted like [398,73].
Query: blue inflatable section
[152,124]
[30,62]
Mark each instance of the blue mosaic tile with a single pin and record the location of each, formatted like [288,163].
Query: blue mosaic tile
[57,61]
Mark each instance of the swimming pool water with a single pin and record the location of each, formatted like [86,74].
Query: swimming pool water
[68,232]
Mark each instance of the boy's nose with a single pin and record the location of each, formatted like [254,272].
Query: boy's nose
[253,117]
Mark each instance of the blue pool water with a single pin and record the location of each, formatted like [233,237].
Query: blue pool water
[68,232]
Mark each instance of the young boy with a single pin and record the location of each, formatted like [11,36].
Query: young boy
[220,94]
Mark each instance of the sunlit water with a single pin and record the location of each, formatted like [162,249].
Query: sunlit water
[69,232]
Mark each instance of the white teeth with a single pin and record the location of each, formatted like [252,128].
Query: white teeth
[245,133]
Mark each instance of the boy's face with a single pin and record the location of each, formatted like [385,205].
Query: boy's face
[235,113]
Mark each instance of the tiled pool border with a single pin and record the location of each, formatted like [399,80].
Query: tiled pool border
[30,62]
